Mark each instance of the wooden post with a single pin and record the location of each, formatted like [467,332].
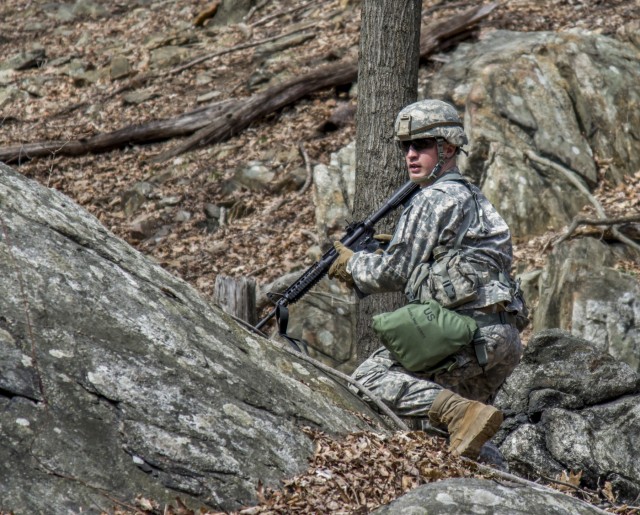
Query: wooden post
[237,297]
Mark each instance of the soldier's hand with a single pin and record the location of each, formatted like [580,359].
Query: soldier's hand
[383,242]
[383,238]
[338,269]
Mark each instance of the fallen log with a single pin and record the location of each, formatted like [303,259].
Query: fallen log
[213,124]
[434,38]
[256,107]
[157,130]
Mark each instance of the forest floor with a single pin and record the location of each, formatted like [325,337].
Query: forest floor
[72,95]
[74,92]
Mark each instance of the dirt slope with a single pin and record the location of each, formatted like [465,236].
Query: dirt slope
[71,95]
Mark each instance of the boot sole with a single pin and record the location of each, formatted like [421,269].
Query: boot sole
[482,422]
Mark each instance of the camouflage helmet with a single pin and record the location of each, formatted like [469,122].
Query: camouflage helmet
[430,119]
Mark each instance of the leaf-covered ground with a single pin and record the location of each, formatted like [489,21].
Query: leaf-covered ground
[366,470]
[71,95]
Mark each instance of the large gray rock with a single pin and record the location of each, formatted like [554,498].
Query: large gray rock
[334,189]
[475,496]
[118,379]
[570,406]
[571,98]
[585,295]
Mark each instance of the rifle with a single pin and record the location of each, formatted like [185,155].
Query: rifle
[358,236]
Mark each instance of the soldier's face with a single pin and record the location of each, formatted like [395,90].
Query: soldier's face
[421,156]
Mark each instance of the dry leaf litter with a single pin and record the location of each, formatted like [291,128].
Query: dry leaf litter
[365,470]
[268,233]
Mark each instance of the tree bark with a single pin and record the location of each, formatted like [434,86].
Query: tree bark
[237,297]
[387,81]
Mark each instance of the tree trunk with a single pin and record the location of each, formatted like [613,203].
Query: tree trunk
[387,81]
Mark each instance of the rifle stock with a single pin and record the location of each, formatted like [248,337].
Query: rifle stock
[358,236]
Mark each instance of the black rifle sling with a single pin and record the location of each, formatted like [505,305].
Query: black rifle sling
[282,316]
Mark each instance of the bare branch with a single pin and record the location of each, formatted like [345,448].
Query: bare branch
[601,221]
[572,177]
[229,50]
[307,165]
[254,9]
[270,17]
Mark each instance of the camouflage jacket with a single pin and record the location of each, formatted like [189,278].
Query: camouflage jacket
[434,218]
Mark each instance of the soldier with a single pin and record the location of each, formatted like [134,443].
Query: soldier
[448,228]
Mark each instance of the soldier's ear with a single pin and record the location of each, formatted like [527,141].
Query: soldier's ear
[449,150]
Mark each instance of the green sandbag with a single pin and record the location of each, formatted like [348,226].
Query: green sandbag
[421,335]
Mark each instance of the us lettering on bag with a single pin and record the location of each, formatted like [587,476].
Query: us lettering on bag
[421,335]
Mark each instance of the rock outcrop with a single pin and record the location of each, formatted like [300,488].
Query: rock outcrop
[571,98]
[118,379]
[472,496]
[586,295]
[571,406]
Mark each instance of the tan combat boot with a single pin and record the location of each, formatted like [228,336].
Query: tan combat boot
[470,423]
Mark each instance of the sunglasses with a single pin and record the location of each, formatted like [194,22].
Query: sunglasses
[417,144]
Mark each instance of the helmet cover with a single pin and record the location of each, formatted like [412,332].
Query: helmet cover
[430,119]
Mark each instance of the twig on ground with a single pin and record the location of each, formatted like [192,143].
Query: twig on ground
[284,12]
[229,50]
[307,165]
[253,10]
[568,485]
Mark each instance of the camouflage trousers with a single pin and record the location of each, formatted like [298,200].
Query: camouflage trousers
[411,394]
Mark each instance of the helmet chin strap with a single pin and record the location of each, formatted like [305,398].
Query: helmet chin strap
[438,167]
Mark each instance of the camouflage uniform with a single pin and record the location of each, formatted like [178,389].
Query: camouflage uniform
[434,218]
